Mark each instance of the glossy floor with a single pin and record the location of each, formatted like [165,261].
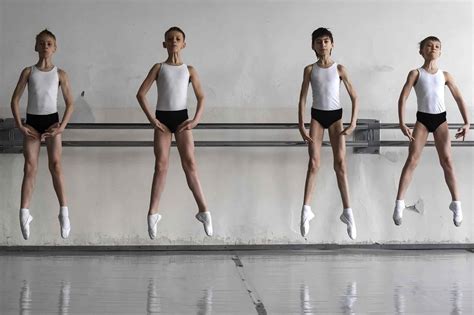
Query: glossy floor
[257,282]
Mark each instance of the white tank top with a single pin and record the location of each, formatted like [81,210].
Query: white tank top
[172,84]
[43,91]
[325,83]
[429,90]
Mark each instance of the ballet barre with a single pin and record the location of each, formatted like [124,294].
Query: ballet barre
[366,136]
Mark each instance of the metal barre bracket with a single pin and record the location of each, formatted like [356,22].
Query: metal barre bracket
[10,136]
[370,135]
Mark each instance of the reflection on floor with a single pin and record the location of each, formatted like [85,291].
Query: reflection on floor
[244,282]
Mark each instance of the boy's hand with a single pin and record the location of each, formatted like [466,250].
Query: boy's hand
[305,135]
[462,132]
[158,125]
[187,125]
[348,130]
[52,131]
[30,132]
[407,132]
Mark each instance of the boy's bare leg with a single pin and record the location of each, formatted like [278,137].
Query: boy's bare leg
[443,146]
[316,132]
[338,144]
[185,144]
[161,144]
[54,147]
[31,149]
[420,133]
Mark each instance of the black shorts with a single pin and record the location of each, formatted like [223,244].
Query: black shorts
[172,119]
[326,117]
[431,121]
[41,122]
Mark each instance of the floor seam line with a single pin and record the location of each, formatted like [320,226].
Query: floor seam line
[252,292]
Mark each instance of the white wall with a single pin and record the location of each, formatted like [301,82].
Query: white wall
[250,56]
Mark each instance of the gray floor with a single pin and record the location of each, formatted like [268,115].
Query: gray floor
[253,282]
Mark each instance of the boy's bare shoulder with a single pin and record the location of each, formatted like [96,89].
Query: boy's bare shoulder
[26,71]
[448,77]
[308,69]
[413,74]
[341,68]
[156,66]
[62,75]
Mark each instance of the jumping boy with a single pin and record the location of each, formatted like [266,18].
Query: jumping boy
[429,82]
[171,117]
[325,77]
[42,124]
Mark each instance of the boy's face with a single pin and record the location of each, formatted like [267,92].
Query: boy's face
[174,42]
[431,50]
[45,46]
[323,45]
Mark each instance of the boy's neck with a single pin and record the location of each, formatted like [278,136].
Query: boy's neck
[45,63]
[174,59]
[325,61]
[430,65]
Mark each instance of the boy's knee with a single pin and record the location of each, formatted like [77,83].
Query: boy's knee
[30,168]
[412,161]
[55,167]
[189,165]
[446,163]
[161,165]
[313,165]
[340,166]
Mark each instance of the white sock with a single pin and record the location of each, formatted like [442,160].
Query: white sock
[400,204]
[24,213]
[455,204]
[64,212]
[348,212]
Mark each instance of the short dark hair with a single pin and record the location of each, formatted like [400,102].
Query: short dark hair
[45,32]
[427,39]
[320,32]
[177,29]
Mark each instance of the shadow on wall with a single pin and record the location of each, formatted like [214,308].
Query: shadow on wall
[82,111]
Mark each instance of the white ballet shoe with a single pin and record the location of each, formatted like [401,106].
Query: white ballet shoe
[398,212]
[306,216]
[65,225]
[348,218]
[205,218]
[153,220]
[455,207]
[25,220]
